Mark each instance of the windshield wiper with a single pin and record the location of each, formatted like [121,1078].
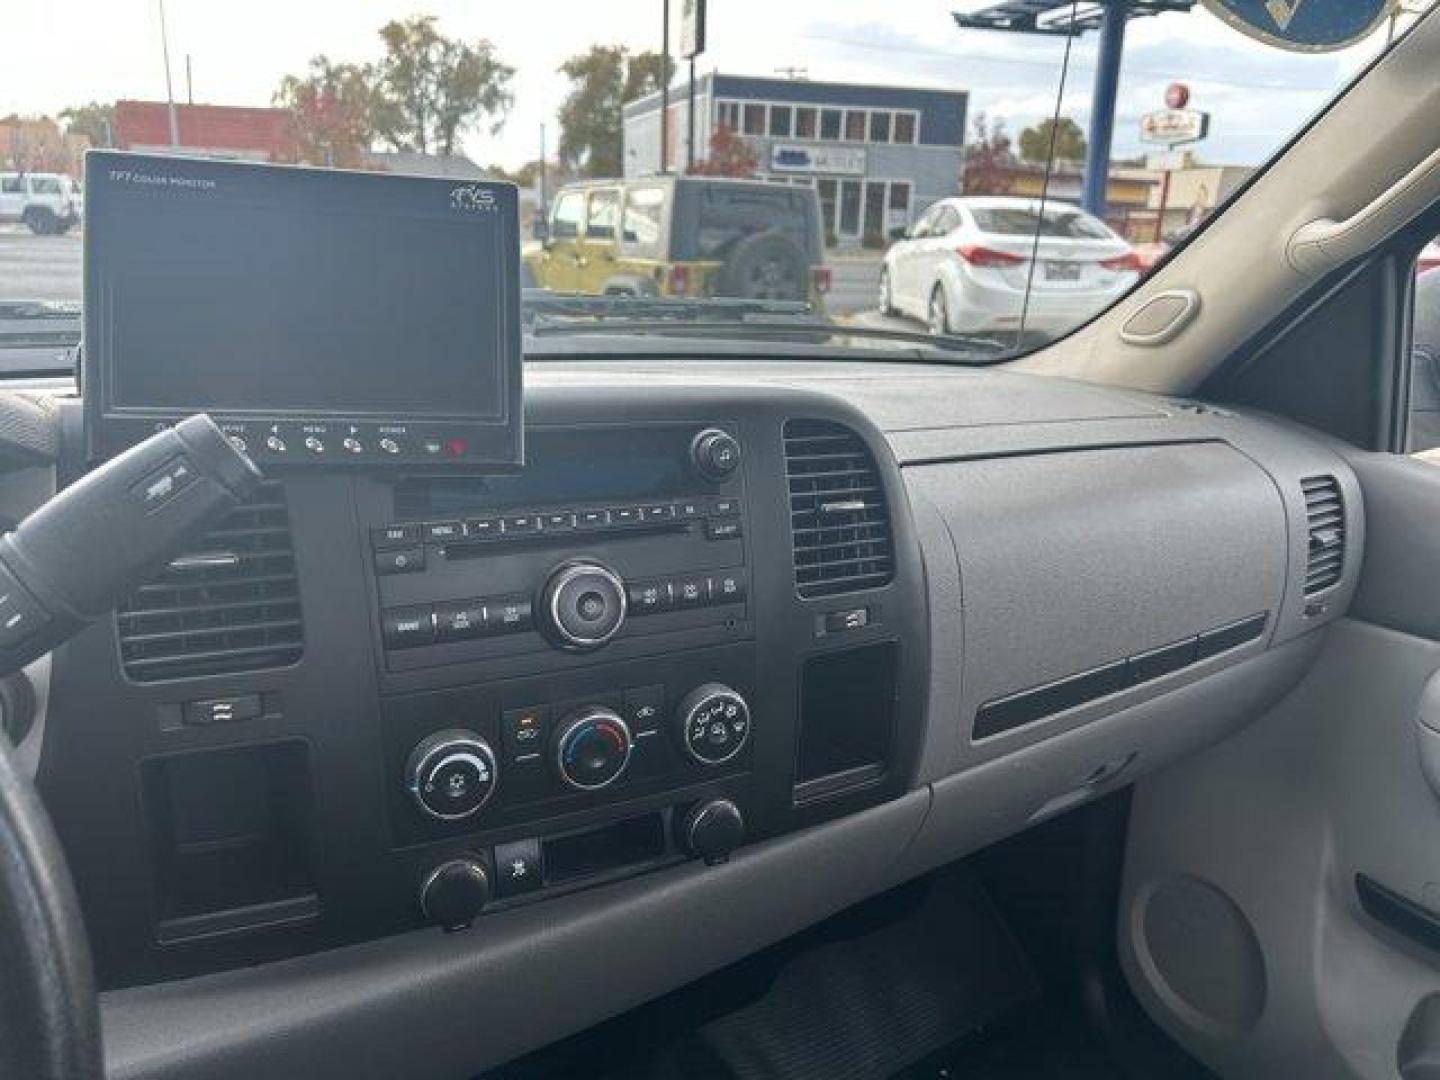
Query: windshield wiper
[540,307]
[30,323]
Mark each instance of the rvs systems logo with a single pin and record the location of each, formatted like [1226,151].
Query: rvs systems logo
[472,198]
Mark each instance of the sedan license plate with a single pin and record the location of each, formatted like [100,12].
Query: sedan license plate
[1062,271]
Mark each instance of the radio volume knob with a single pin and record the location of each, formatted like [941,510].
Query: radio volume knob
[714,724]
[715,454]
[582,606]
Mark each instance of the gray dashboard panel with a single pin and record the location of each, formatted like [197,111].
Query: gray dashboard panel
[517,980]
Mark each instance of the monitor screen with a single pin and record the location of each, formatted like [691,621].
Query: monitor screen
[272,291]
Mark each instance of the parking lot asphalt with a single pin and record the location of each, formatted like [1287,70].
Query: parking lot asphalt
[38,267]
[48,268]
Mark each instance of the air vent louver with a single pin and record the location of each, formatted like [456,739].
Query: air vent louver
[232,604]
[838,517]
[1325,519]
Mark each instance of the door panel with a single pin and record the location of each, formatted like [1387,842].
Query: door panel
[1241,871]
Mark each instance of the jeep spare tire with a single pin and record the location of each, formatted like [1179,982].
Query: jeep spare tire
[766,266]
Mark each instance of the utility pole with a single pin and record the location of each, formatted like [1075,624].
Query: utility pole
[795,74]
[169,89]
[690,122]
[544,209]
[665,86]
[1102,109]
[189,82]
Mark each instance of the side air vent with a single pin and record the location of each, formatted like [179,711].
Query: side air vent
[1325,518]
[837,511]
[232,604]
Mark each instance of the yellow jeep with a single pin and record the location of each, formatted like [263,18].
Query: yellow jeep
[681,236]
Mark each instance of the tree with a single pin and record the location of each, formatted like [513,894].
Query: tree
[730,155]
[96,122]
[1068,138]
[601,82]
[329,108]
[987,158]
[429,88]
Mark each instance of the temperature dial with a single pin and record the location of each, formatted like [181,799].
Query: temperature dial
[592,748]
[714,724]
[452,774]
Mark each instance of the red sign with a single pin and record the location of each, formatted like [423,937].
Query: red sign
[1177,95]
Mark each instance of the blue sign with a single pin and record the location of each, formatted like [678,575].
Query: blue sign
[1304,25]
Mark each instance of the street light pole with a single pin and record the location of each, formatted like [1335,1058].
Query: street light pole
[169,87]
[1102,108]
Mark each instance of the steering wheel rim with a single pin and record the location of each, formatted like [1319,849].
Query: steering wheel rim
[49,1010]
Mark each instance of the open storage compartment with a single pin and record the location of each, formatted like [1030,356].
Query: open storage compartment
[231,839]
[847,719]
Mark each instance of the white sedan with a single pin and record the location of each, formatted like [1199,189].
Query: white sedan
[965,266]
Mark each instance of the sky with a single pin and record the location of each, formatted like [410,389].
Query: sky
[62,54]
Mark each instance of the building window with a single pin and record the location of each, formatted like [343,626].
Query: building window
[780,121]
[855,125]
[904,128]
[754,119]
[805,123]
[879,126]
[900,196]
[727,114]
[830,124]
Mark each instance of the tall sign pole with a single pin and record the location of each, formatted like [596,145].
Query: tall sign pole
[665,86]
[692,44]
[1102,110]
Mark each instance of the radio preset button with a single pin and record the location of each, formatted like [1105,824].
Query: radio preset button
[725,507]
[483,528]
[728,529]
[403,560]
[689,508]
[508,615]
[592,519]
[407,627]
[624,515]
[559,521]
[691,591]
[648,597]
[729,587]
[520,524]
[657,512]
[459,620]
[444,531]
[395,536]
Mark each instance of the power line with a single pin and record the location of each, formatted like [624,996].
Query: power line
[1015,61]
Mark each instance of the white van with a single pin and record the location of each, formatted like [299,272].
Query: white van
[48,203]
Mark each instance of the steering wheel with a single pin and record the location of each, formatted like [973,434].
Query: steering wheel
[49,1011]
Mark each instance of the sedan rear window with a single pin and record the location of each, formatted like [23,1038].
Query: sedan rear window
[1021,221]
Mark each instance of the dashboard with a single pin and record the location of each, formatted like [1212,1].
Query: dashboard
[422,759]
[266,834]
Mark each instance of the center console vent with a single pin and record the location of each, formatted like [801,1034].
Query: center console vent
[838,517]
[1325,519]
[232,604]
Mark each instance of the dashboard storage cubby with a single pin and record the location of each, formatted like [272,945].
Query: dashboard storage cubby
[230,837]
[847,715]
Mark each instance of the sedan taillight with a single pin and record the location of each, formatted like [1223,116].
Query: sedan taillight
[979,256]
[1129,263]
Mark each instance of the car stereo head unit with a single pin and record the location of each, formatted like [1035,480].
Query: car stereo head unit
[320,316]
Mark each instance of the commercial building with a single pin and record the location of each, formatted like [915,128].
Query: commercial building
[877,155]
[223,131]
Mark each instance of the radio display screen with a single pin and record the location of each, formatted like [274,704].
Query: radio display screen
[275,292]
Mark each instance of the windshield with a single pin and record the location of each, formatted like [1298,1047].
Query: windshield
[913,172]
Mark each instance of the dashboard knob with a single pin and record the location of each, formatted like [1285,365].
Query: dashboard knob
[713,724]
[451,774]
[454,892]
[582,606]
[712,830]
[592,748]
[715,454]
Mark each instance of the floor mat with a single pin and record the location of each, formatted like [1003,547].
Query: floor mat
[869,1004]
